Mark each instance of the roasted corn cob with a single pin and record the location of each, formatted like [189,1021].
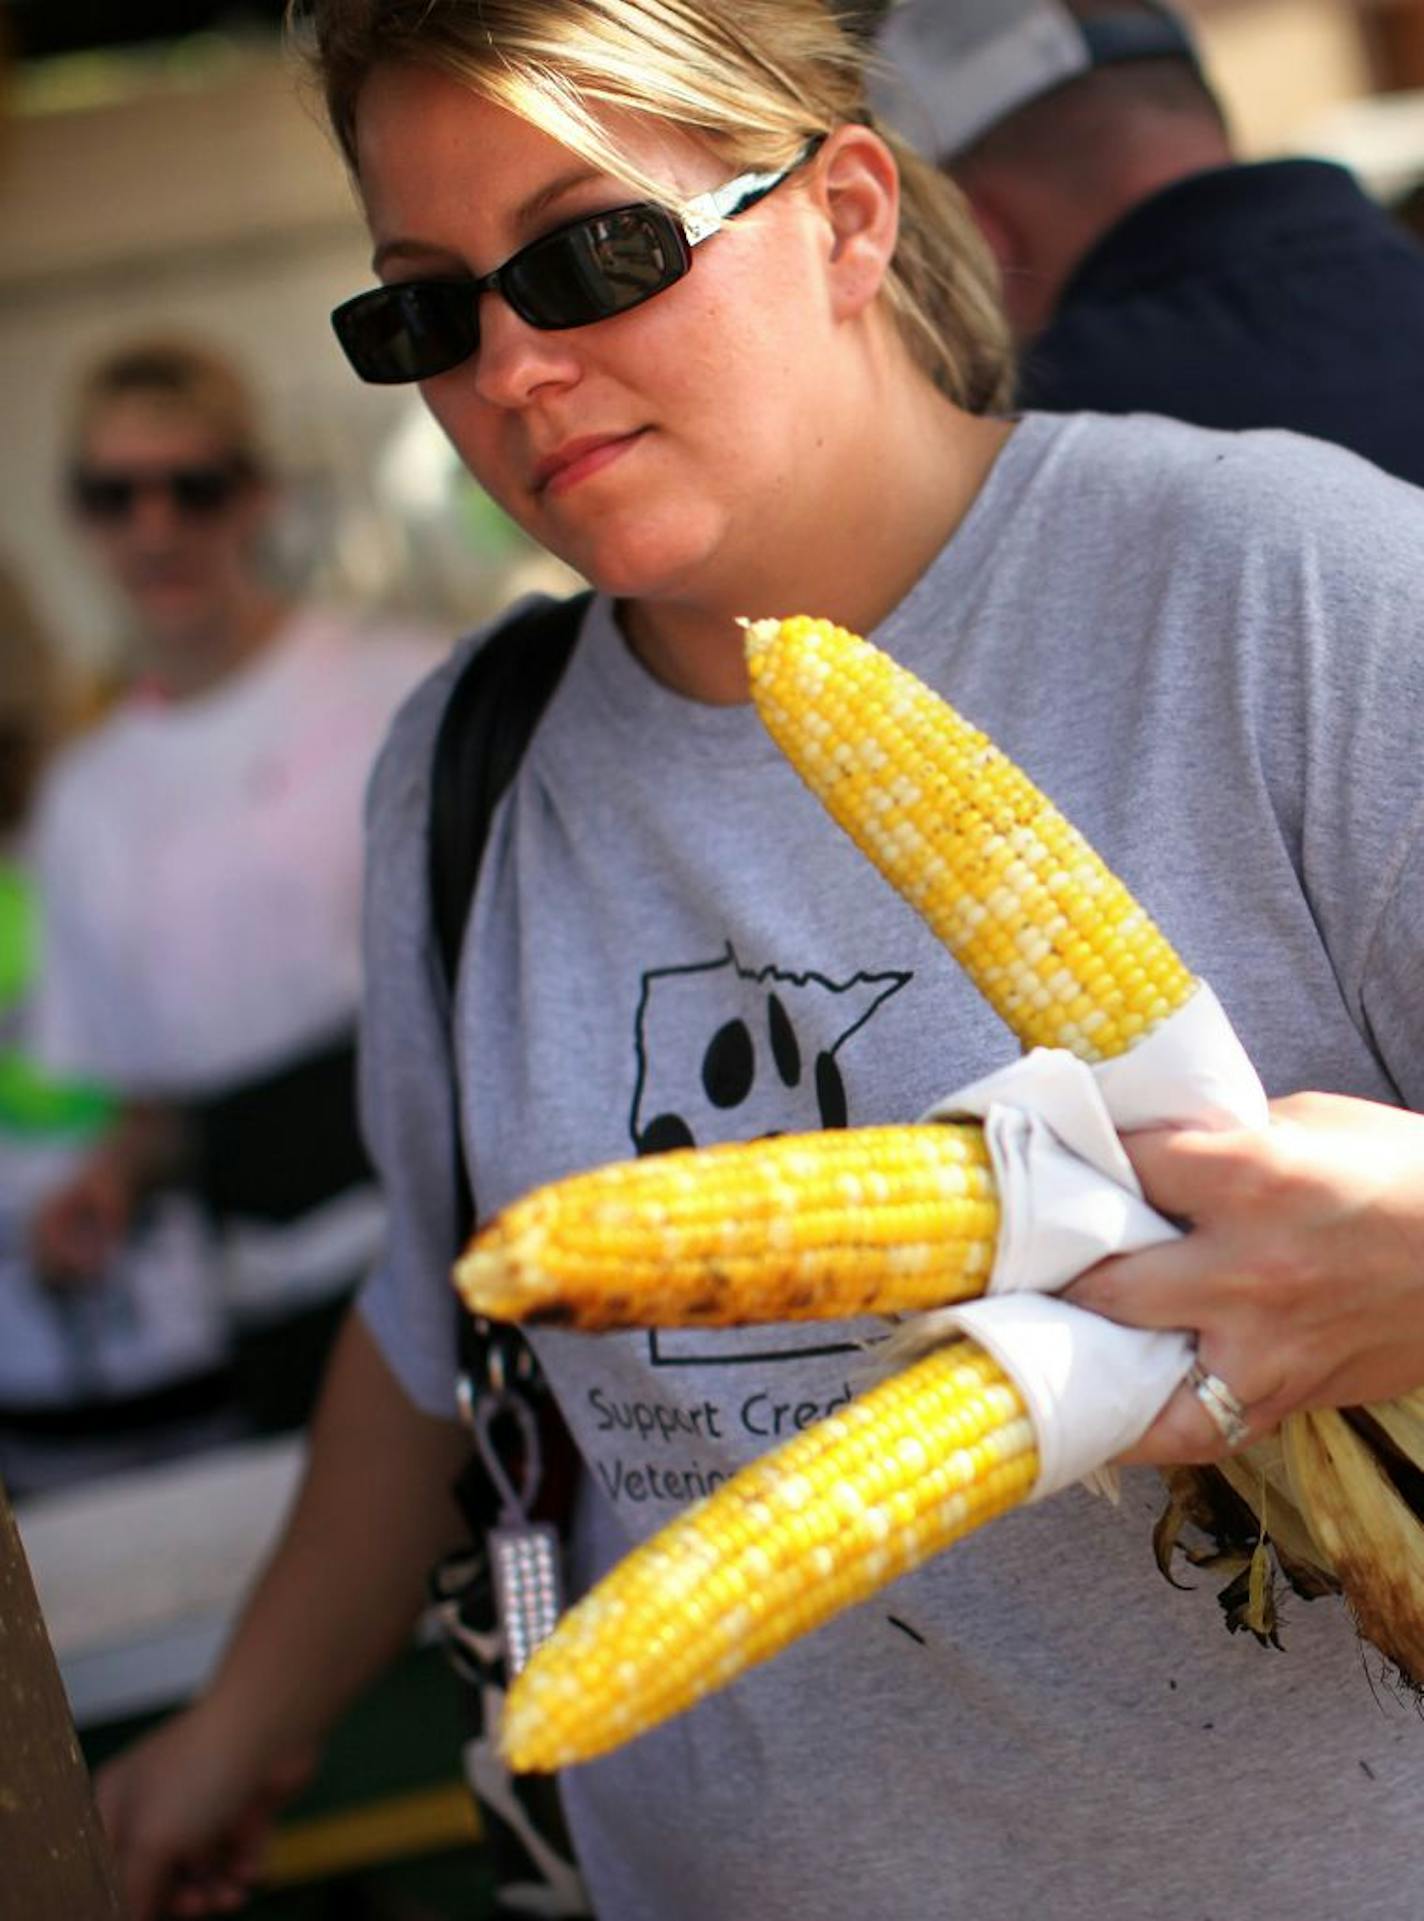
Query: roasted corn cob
[826,1520]
[876,1220]
[864,1495]
[1067,958]
[1052,939]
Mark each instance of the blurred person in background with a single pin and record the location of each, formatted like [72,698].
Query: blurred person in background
[133,1367]
[200,853]
[1144,267]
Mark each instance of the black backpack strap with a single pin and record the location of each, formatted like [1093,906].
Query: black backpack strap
[489,720]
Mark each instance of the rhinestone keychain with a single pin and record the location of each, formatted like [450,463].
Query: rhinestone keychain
[523,1553]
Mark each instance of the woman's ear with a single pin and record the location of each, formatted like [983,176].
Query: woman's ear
[860,186]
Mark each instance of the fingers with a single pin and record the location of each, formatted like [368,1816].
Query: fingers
[248,1843]
[171,1861]
[155,1888]
[1199,1179]
[1185,1435]
[200,1894]
[1158,1287]
[1178,1288]
[74,1236]
[1302,1241]
[1293,1259]
[1185,1171]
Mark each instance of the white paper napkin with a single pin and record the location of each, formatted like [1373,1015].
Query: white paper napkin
[1068,1198]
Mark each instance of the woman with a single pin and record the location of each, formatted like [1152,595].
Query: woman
[1188,639]
[200,853]
[129,1371]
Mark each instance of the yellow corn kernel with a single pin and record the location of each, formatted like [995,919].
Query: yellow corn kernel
[873,1220]
[807,1531]
[1049,936]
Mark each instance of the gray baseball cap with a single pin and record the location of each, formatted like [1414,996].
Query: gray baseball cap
[947,70]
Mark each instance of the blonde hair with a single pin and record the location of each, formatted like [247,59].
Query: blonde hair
[176,373]
[755,80]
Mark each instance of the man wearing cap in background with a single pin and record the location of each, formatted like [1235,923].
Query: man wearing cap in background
[1144,267]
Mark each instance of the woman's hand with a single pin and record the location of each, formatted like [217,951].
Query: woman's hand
[188,1822]
[1302,1274]
[77,1230]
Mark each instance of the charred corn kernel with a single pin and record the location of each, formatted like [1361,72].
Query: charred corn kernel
[1049,936]
[874,1220]
[865,1494]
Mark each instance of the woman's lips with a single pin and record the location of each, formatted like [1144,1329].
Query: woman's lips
[579,460]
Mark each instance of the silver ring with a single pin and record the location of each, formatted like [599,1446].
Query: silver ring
[1226,1410]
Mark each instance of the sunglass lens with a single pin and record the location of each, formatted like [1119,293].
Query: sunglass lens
[586,271]
[203,490]
[196,492]
[595,268]
[410,332]
[103,496]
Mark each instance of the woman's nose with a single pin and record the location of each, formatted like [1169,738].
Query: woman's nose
[155,514]
[514,361]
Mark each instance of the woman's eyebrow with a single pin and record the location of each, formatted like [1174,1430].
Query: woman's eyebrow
[552,190]
[523,216]
[392,249]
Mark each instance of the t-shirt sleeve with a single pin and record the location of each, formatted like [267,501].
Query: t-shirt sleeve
[1393,985]
[1363,815]
[1335,677]
[406,1077]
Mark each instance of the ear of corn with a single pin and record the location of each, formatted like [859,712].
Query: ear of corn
[877,1220]
[1064,954]
[1052,939]
[1068,959]
[805,1532]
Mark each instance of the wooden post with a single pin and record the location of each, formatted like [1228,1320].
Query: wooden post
[54,1865]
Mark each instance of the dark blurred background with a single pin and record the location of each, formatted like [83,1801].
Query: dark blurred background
[42,27]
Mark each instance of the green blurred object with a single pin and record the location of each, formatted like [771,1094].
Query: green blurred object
[31,1103]
[19,934]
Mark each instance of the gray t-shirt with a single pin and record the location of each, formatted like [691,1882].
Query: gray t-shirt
[1207,649]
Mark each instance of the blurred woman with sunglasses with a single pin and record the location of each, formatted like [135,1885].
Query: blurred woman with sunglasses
[728,350]
[168,485]
[132,1369]
[200,856]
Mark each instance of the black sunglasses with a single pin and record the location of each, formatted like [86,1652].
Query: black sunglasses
[586,270]
[110,494]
